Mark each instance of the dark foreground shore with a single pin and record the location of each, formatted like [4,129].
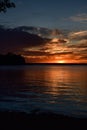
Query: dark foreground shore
[46,121]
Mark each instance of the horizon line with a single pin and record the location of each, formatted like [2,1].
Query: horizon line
[55,63]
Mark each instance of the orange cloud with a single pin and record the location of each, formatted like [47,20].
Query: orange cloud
[68,48]
[58,50]
[78,35]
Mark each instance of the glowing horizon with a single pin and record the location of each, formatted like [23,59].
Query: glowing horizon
[46,32]
[60,50]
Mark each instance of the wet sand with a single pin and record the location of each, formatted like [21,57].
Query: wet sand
[46,121]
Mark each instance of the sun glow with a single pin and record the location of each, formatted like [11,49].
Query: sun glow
[61,61]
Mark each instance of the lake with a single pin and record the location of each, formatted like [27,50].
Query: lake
[61,89]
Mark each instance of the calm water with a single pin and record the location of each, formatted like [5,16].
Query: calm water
[60,89]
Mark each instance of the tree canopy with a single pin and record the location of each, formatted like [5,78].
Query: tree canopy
[11,59]
[5,4]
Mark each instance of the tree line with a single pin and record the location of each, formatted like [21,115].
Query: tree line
[11,59]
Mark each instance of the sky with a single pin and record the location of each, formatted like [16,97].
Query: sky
[63,21]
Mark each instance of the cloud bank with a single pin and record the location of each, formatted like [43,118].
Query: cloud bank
[45,45]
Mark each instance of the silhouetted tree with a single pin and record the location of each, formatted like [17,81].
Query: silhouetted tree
[4,4]
[11,59]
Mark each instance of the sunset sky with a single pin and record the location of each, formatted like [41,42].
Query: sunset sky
[51,31]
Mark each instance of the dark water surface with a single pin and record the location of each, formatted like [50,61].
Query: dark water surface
[60,89]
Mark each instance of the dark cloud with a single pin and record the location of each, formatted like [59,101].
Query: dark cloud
[62,41]
[44,32]
[26,41]
[42,53]
[65,53]
[82,45]
[36,53]
[15,39]
[77,46]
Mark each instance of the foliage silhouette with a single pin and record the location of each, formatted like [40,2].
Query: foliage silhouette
[11,59]
[4,4]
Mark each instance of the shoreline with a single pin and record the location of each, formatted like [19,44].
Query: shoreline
[64,64]
[56,64]
[40,121]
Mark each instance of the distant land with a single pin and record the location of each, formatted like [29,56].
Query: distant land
[14,59]
[56,64]
[11,59]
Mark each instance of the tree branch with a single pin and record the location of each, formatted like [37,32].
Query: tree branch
[4,4]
